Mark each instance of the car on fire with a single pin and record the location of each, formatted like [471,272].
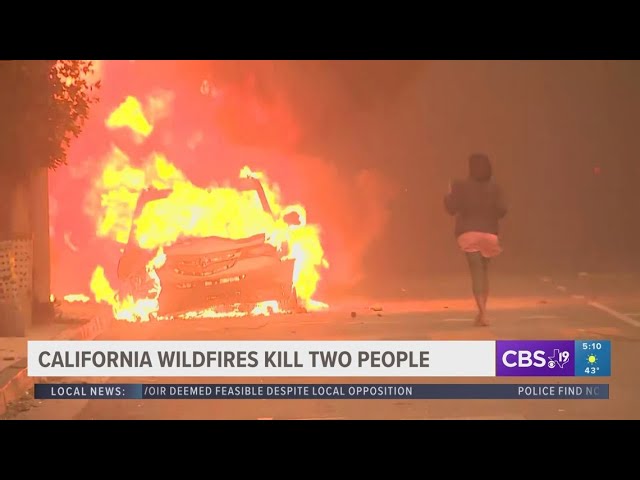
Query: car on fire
[210,272]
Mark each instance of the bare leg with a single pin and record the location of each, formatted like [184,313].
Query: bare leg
[485,290]
[480,292]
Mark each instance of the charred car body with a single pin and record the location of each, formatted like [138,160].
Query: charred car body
[211,272]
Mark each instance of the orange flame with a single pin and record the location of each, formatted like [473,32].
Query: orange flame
[191,211]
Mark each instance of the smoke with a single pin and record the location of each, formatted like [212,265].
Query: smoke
[209,119]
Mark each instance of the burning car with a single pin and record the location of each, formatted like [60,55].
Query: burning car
[227,274]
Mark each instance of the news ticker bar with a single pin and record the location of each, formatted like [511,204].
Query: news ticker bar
[125,391]
[484,358]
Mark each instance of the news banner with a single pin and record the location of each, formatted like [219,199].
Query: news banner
[554,361]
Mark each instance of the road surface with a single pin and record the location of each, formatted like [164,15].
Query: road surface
[532,308]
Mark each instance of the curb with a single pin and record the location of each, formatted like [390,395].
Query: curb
[15,381]
[88,331]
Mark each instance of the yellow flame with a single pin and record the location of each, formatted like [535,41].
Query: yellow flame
[316,306]
[76,297]
[101,288]
[128,308]
[129,114]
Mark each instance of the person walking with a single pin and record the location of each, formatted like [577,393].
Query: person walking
[478,205]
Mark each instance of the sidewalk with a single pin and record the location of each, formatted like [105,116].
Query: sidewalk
[14,380]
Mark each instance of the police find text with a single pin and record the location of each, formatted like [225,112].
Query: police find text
[558,391]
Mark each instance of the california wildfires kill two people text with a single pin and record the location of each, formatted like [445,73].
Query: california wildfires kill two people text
[229,359]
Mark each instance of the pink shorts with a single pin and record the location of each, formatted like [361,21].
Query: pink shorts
[485,243]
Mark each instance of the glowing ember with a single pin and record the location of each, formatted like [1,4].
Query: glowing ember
[266,308]
[76,297]
[189,211]
[69,243]
[262,308]
[215,313]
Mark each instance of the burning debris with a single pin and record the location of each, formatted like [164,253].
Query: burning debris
[76,297]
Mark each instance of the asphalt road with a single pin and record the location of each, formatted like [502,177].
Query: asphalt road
[527,308]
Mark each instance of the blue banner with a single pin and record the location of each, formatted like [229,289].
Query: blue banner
[340,391]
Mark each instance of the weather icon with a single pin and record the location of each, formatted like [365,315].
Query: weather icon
[592,359]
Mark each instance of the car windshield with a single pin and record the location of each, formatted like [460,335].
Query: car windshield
[243,185]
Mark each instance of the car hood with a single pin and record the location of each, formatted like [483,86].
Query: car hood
[195,246]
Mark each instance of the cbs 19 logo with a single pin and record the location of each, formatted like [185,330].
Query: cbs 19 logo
[537,359]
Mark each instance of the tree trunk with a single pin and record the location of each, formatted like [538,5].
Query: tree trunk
[39,207]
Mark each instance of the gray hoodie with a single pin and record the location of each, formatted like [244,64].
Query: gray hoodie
[477,205]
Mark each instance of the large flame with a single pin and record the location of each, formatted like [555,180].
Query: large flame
[190,211]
